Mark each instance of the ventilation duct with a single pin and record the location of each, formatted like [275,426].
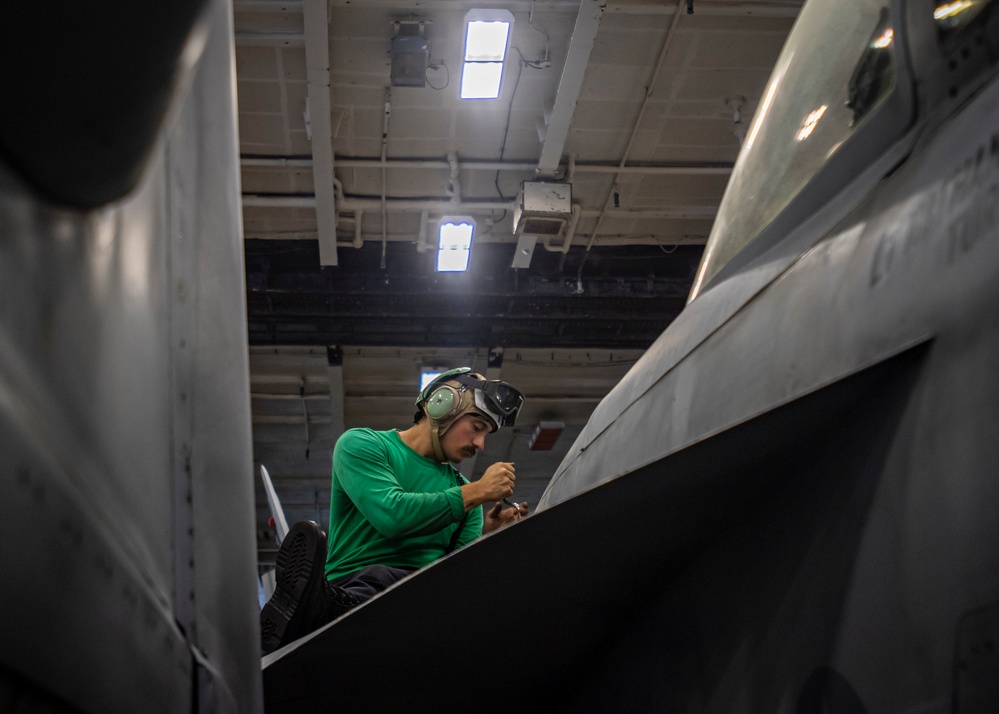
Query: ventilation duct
[542,208]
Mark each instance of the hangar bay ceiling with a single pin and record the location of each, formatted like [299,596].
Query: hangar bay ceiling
[634,111]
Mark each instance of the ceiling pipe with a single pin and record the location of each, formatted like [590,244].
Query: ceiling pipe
[573,166]
[773,8]
[445,206]
[362,204]
[607,239]
[570,231]
[436,206]
[765,8]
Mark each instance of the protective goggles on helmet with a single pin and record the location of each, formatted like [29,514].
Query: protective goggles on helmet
[500,401]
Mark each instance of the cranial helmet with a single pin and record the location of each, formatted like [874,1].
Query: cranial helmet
[461,391]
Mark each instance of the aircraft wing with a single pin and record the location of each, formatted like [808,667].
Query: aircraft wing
[506,621]
[522,615]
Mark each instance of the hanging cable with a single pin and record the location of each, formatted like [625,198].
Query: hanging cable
[546,62]
[506,131]
[667,42]
[447,75]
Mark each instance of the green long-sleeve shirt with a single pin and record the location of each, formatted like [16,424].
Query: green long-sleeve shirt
[391,506]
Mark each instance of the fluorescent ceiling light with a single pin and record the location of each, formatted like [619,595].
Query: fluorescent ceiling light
[486,41]
[454,243]
[481,80]
[487,35]
[427,376]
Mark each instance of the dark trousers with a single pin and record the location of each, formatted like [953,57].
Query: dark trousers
[368,582]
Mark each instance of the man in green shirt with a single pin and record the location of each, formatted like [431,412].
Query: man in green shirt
[397,504]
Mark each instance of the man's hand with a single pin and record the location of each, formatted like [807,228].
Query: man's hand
[497,516]
[496,484]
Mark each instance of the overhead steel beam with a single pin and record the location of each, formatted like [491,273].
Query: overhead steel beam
[577,58]
[317,61]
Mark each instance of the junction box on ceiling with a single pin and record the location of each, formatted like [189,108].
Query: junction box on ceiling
[542,208]
[410,54]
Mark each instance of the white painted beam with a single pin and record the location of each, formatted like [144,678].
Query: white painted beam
[317,61]
[577,58]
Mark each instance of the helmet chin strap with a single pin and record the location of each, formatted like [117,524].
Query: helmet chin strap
[435,439]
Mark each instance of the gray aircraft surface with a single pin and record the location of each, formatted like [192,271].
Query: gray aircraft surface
[789,504]
[128,552]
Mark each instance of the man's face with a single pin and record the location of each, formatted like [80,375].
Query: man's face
[465,438]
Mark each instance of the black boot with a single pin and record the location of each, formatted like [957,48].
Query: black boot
[300,603]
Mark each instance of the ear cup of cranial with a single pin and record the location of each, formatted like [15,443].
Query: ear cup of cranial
[441,403]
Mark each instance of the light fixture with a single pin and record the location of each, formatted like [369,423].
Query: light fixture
[454,243]
[487,36]
[428,375]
